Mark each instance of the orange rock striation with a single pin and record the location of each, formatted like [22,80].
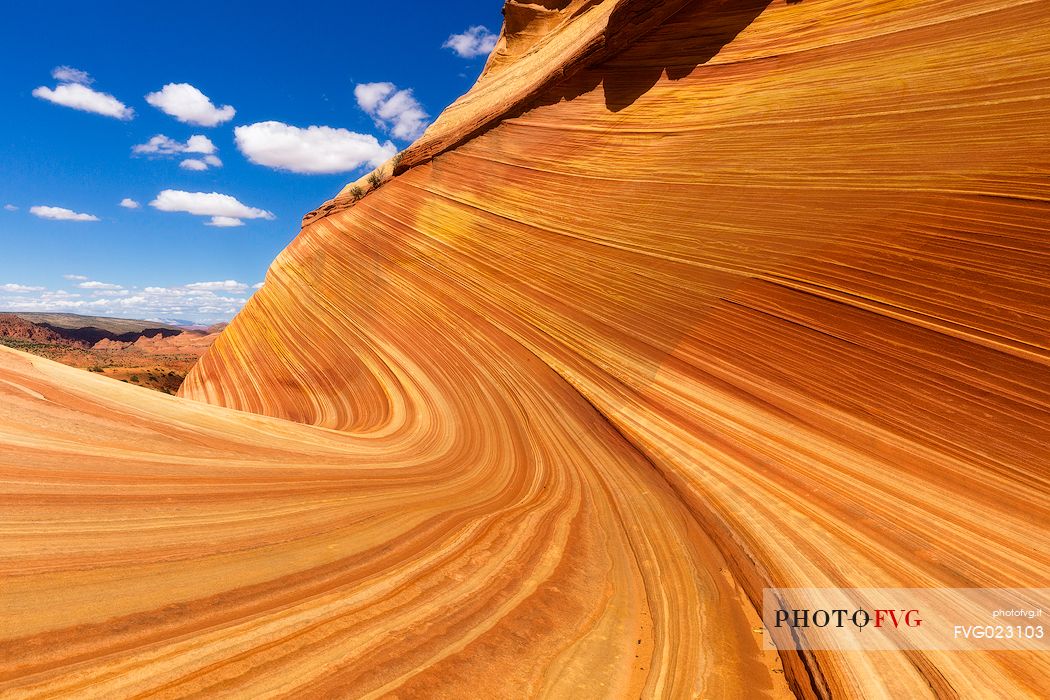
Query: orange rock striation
[752,296]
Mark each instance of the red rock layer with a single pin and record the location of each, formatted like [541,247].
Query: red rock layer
[187,342]
[14,328]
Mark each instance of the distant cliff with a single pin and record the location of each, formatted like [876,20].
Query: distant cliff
[139,352]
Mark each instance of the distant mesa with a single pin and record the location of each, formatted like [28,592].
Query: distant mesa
[103,323]
[116,347]
[19,328]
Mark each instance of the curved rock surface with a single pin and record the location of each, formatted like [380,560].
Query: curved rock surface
[752,297]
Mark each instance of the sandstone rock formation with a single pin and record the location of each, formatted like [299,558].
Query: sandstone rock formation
[187,342]
[16,328]
[682,301]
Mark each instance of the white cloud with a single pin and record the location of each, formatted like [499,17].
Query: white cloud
[106,286]
[257,285]
[73,91]
[165,146]
[224,285]
[10,207]
[189,105]
[129,203]
[68,74]
[19,288]
[85,99]
[206,302]
[60,214]
[75,278]
[199,144]
[224,222]
[315,149]
[161,145]
[476,41]
[201,163]
[396,111]
[369,95]
[223,208]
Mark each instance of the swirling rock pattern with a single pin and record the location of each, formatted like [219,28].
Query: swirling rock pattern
[757,297]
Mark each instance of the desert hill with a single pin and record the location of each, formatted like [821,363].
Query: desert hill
[680,302]
[116,326]
[17,328]
[141,352]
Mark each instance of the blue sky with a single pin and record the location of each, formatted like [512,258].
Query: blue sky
[231,83]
